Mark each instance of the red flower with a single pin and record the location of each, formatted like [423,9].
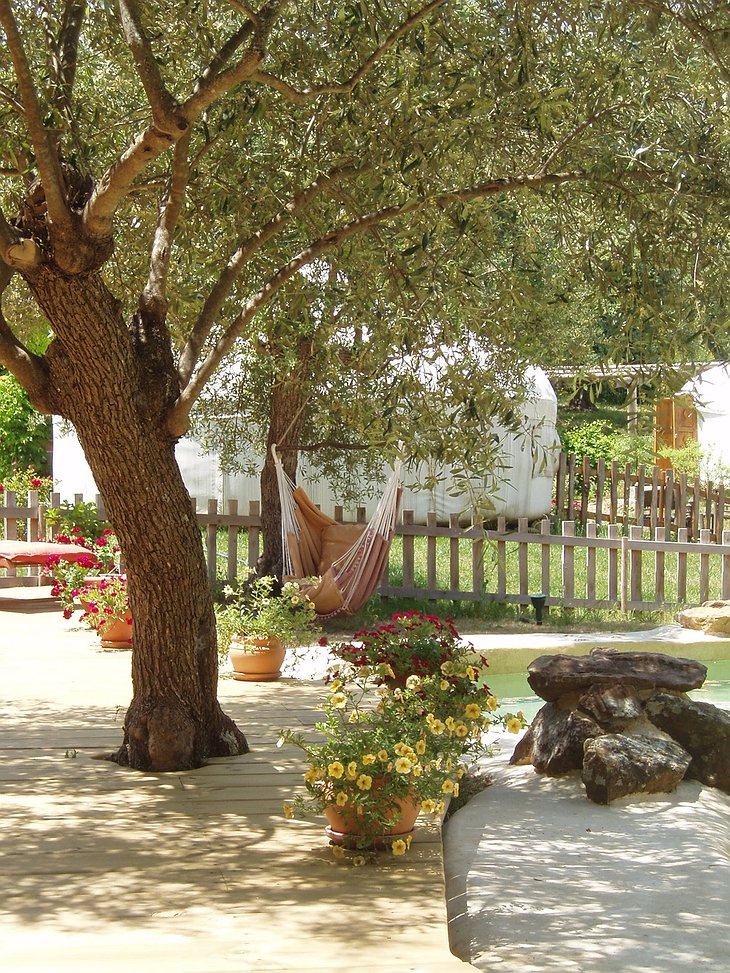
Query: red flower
[323,640]
[35,482]
[68,612]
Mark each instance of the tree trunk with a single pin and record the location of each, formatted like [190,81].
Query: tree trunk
[116,393]
[287,418]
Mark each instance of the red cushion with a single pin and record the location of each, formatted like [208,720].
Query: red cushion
[36,552]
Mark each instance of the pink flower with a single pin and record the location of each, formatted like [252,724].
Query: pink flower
[68,612]
[35,482]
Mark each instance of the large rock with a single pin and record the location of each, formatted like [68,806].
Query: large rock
[713,618]
[612,707]
[554,741]
[553,676]
[616,765]
[702,729]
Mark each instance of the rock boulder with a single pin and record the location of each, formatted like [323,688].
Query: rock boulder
[702,729]
[712,618]
[554,741]
[616,765]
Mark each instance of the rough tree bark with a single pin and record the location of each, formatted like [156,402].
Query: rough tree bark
[174,720]
[286,421]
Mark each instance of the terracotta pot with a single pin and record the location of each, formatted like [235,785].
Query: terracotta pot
[345,828]
[256,660]
[117,633]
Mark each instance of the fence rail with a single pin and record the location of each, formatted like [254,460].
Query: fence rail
[575,566]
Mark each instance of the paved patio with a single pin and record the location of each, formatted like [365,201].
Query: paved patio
[196,871]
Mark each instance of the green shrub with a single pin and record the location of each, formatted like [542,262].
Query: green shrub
[77,518]
[592,439]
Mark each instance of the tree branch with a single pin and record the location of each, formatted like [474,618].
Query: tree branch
[694,25]
[12,100]
[152,142]
[165,116]
[243,8]
[29,369]
[68,47]
[178,417]
[223,286]
[15,251]
[573,133]
[48,162]
[301,96]
[154,295]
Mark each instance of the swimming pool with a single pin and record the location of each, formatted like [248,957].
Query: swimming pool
[514,693]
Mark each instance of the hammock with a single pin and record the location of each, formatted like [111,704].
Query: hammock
[347,559]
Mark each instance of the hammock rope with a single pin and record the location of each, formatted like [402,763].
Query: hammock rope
[345,583]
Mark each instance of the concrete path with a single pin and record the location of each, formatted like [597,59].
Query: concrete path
[107,869]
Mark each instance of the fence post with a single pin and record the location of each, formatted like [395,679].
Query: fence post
[585,491]
[660,535]
[477,554]
[560,485]
[568,564]
[681,566]
[636,534]
[591,564]
[454,574]
[254,533]
[613,596]
[600,485]
[408,559]
[211,540]
[545,560]
[726,567]
[624,573]
[431,554]
[232,560]
[705,538]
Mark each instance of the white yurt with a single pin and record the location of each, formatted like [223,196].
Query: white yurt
[523,487]
[710,394]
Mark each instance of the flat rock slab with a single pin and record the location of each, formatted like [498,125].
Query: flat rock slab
[616,765]
[702,729]
[553,676]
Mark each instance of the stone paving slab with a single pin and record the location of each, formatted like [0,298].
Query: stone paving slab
[105,868]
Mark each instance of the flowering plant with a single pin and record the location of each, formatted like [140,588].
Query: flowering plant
[257,611]
[411,644]
[69,577]
[382,744]
[105,600]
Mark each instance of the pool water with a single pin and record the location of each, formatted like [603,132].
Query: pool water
[514,693]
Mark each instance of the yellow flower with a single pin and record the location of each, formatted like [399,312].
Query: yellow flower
[448,786]
[471,672]
[461,729]
[288,811]
[364,782]
[492,703]
[449,763]
[399,847]
[352,770]
[311,775]
[338,851]
[450,722]
[456,790]
[335,685]
[472,711]
[368,758]
[359,860]
[382,755]
[341,799]
[514,725]
[460,772]
[440,807]
[403,765]
[421,747]
[412,682]
[437,727]
[444,684]
[339,700]
[409,839]
[417,770]
[486,723]
[335,769]
[355,717]
[402,749]
[428,806]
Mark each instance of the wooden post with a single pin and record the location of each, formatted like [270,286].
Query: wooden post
[211,540]
[454,574]
[477,555]
[585,491]
[636,534]
[653,510]
[591,564]
[600,486]
[568,564]
[545,560]
[501,559]
[613,513]
[431,524]
[254,533]
[640,498]
[571,487]
[682,567]
[408,558]
[669,506]
[705,538]
[725,567]
[522,567]
[613,596]
[232,559]
[624,573]
[660,536]
[560,485]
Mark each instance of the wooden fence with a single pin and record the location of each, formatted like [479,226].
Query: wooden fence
[645,496]
[601,566]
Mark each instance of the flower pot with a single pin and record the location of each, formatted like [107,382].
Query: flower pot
[256,660]
[115,633]
[344,827]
